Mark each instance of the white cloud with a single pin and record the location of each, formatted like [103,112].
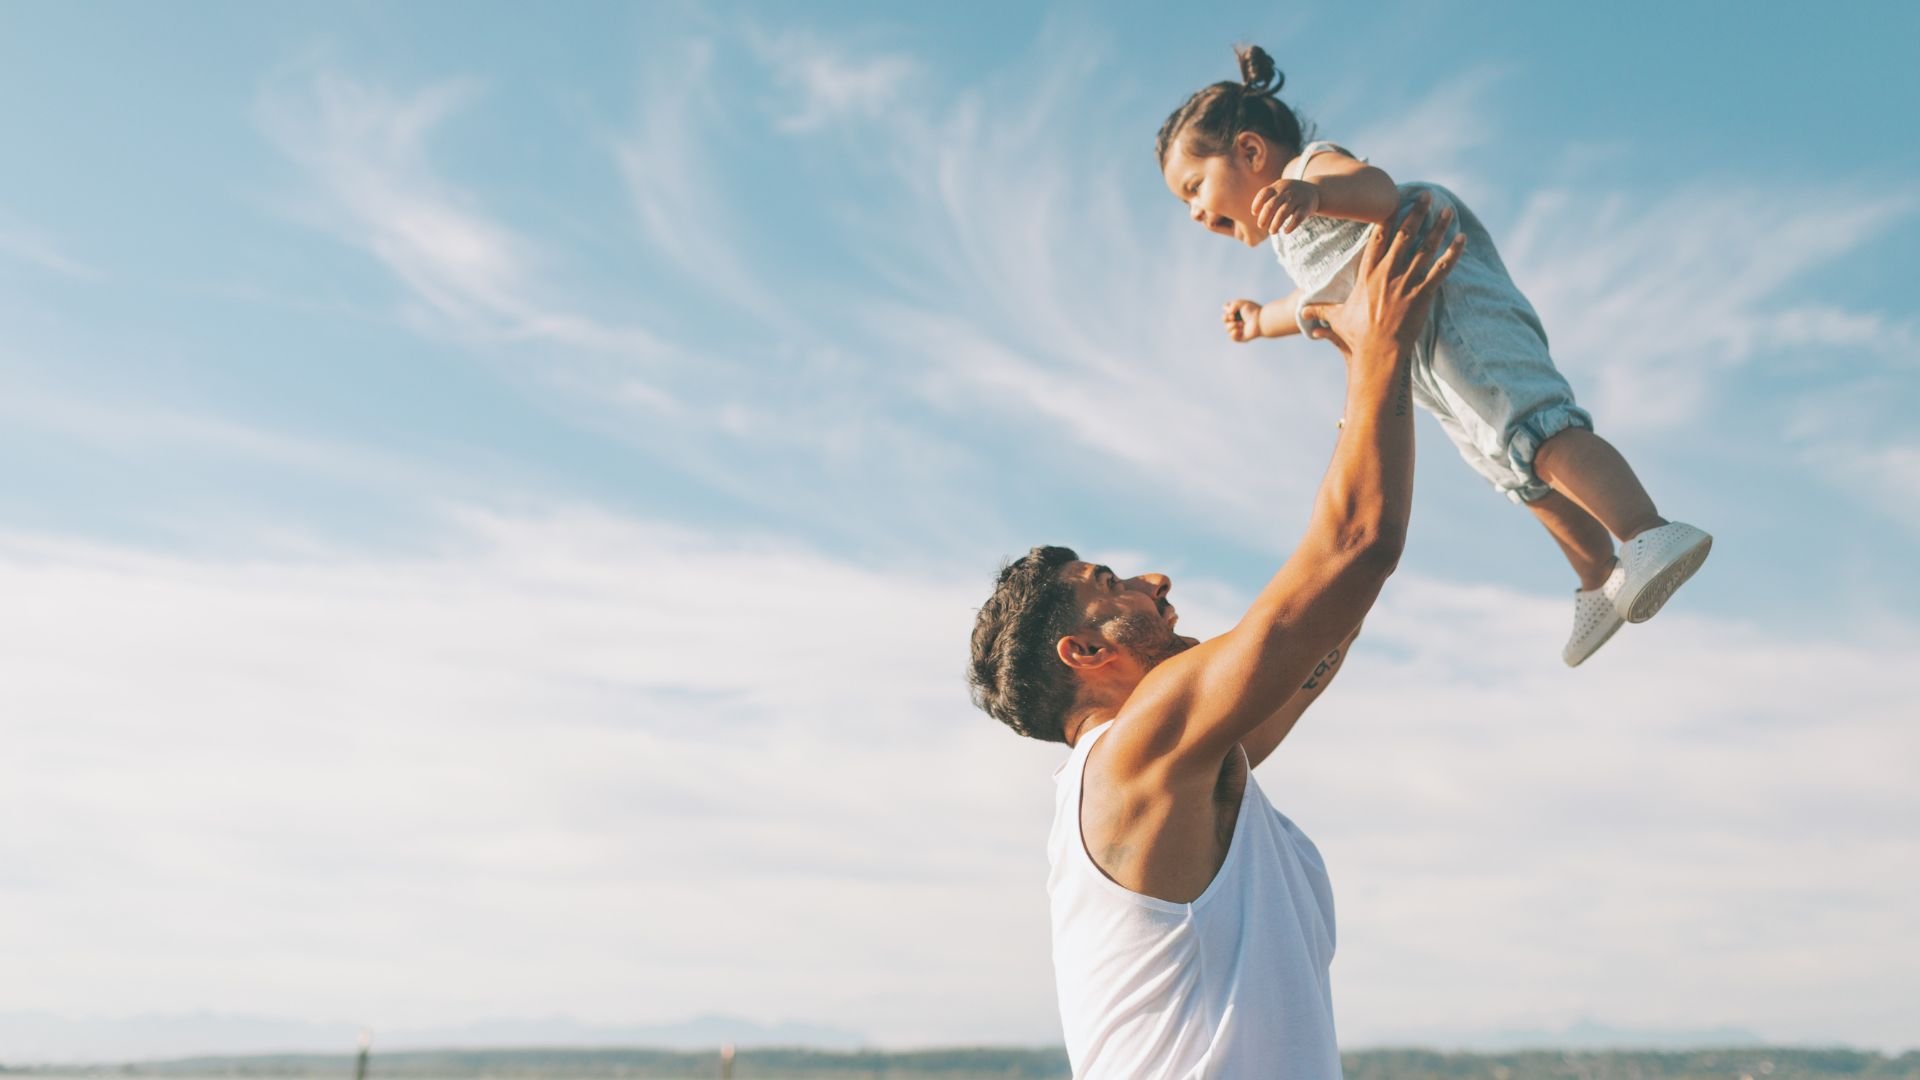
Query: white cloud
[1653,305]
[1709,823]
[710,408]
[1028,289]
[652,771]
[1854,431]
[713,411]
[1836,327]
[135,428]
[467,274]
[636,766]
[31,244]
[1441,138]
[684,209]
[1881,469]
[821,84]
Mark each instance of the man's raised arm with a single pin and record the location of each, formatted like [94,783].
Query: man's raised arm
[1197,706]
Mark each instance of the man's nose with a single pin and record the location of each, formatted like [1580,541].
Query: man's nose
[1158,584]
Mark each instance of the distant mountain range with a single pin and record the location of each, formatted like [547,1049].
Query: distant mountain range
[43,1038]
[1000,1063]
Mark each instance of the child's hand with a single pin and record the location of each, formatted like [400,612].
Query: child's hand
[1282,205]
[1243,319]
[1395,285]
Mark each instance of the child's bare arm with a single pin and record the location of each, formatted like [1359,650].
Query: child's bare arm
[1353,189]
[1277,318]
[1249,319]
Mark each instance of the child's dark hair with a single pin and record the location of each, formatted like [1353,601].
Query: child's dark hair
[1207,123]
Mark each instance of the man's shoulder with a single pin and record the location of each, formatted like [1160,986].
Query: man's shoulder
[1133,759]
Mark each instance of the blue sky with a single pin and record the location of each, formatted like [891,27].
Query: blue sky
[498,502]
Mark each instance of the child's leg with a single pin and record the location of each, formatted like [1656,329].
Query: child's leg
[1586,543]
[1588,470]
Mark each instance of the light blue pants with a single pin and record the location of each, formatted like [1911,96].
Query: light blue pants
[1482,367]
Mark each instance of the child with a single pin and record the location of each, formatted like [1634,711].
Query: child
[1236,156]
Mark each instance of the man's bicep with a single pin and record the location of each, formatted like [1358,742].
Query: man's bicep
[1266,738]
[1226,688]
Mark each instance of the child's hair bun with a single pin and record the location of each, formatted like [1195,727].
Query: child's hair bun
[1213,116]
[1257,72]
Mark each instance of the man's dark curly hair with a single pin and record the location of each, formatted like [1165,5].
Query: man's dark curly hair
[1016,675]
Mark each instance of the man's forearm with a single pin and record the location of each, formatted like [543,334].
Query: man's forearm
[1367,495]
[1235,682]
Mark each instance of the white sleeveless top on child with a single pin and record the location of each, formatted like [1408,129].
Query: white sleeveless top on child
[1321,254]
[1482,366]
[1233,986]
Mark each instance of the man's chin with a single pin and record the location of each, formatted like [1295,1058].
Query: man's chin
[1153,656]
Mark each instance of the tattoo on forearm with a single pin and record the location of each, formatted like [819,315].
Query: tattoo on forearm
[1403,394]
[1323,671]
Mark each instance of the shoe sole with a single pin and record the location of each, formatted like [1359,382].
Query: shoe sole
[1654,594]
[1604,638]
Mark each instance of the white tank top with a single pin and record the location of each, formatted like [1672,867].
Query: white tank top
[1322,252]
[1233,985]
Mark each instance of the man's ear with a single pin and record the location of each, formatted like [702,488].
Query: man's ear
[1084,652]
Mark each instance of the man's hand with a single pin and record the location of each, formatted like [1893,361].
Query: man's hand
[1395,286]
[1282,205]
[1243,319]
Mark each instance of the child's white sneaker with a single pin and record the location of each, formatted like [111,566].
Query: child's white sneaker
[1657,562]
[1594,618]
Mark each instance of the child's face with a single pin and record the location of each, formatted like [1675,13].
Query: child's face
[1219,190]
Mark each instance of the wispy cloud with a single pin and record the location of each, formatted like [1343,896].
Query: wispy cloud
[1834,326]
[821,83]
[1037,288]
[187,450]
[1654,304]
[1441,137]
[1856,434]
[466,273]
[685,213]
[34,246]
[1033,287]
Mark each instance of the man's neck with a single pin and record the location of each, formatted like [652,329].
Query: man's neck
[1087,721]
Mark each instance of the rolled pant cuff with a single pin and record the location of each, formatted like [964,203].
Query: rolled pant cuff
[1528,436]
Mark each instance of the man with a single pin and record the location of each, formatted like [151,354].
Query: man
[1192,922]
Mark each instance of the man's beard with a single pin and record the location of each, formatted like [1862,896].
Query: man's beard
[1148,638]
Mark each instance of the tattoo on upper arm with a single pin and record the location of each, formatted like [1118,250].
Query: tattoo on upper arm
[1321,672]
